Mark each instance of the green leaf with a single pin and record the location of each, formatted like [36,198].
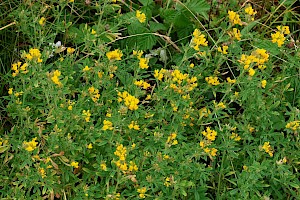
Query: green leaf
[199,7]
[141,37]
[156,26]
[169,15]
[269,46]
[146,2]
[247,28]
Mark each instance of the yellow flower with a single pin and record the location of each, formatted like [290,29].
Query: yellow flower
[107,125]
[212,80]
[93,32]
[263,83]
[142,192]
[143,64]
[55,77]
[235,137]
[86,68]
[198,40]
[134,125]
[249,10]
[87,115]
[75,164]
[268,149]
[236,34]
[42,21]
[229,80]
[90,146]
[278,38]
[251,72]
[167,182]
[213,152]
[130,101]
[71,1]
[140,16]
[42,172]
[142,84]
[294,125]
[70,50]
[30,146]
[132,167]
[103,166]
[114,55]
[210,134]
[10,91]
[234,18]
[159,74]
[223,49]
[284,29]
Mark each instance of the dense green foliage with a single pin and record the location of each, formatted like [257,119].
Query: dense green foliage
[119,99]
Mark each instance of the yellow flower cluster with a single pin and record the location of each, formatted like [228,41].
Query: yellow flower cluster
[143,62]
[86,68]
[130,101]
[55,77]
[114,55]
[278,37]
[142,192]
[169,181]
[121,153]
[268,149]
[42,172]
[75,164]
[235,33]
[234,18]
[250,11]
[103,166]
[34,54]
[140,16]
[185,84]
[172,139]
[257,58]
[89,146]
[70,50]
[16,67]
[87,115]
[198,40]
[143,84]
[294,125]
[70,105]
[209,134]
[159,74]
[31,145]
[107,125]
[235,137]
[219,105]
[212,80]
[132,167]
[223,49]
[231,81]
[42,21]
[263,83]
[134,125]
[94,93]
